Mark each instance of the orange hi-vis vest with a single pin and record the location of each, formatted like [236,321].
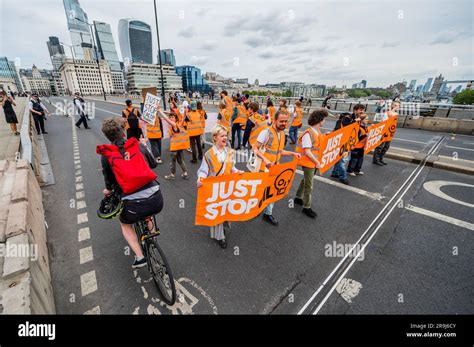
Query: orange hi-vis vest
[271,112]
[194,124]
[273,147]
[216,168]
[242,115]
[361,143]
[260,124]
[225,120]
[180,140]
[179,115]
[127,112]
[298,119]
[304,160]
[203,119]
[229,104]
[154,131]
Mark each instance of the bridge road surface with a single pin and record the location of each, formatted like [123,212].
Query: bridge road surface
[265,269]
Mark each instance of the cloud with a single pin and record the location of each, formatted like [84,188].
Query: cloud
[199,60]
[390,44]
[268,54]
[449,36]
[187,32]
[255,42]
[209,45]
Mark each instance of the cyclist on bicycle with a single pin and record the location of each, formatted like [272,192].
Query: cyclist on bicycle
[127,164]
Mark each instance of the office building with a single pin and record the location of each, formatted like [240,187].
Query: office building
[167,57]
[84,76]
[135,41]
[141,76]
[36,81]
[192,79]
[8,73]
[78,29]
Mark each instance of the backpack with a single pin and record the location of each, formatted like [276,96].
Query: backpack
[128,165]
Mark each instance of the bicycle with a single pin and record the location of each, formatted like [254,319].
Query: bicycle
[158,265]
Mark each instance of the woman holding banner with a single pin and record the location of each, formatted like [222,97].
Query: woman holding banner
[219,160]
[357,154]
[308,146]
[380,151]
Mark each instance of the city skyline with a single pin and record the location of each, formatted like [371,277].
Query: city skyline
[291,54]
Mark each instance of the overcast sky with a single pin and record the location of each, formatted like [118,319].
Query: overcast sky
[331,42]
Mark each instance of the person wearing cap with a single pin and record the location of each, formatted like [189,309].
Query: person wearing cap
[195,130]
[133,120]
[38,110]
[79,106]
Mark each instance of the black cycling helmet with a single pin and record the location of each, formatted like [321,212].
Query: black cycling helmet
[110,207]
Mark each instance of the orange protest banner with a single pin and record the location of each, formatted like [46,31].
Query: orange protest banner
[380,132]
[336,144]
[240,197]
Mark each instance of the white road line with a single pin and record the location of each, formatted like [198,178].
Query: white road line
[400,139]
[79,186]
[78,172]
[79,195]
[86,255]
[84,234]
[114,113]
[462,148]
[78,178]
[370,195]
[441,217]
[95,310]
[434,187]
[88,283]
[78,166]
[81,204]
[82,218]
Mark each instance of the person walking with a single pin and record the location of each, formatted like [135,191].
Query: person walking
[203,114]
[133,123]
[38,110]
[79,107]
[272,141]
[256,122]
[308,147]
[154,133]
[237,123]
[10,115]
[219,160]
[357,154]
[179,141]
[297,123]
[195,130]
[379,151]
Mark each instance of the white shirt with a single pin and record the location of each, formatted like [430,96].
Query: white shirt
[306,140]
[78,103]
[221,156]
[265,135]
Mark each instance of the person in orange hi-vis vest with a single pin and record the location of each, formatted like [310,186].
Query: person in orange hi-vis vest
[154,133]
[308,146]
[219,160]
[297,122]
[195,130]
[270,147]
[224,116]
[133,123]
[227,100]
[258,122]
[357,153]
[379,152]
[271,110]
[237,123]
[179,141]
[174,108]
[203,114]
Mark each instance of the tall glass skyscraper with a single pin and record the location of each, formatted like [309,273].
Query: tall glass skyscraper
[8,70]
[106,45]
[78,30]
[135,41]
[192,79]
[167,57]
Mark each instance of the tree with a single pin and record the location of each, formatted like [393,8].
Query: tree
[466,97]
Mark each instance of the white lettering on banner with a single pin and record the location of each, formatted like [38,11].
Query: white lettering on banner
[231,205]
[375,135]
[333,147]
[218,189]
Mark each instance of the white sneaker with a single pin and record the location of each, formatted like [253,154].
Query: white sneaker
[360,173]
[159,161]
[351,174]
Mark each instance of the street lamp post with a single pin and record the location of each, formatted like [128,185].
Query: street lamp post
[96,54]
[159,58]
[75,68]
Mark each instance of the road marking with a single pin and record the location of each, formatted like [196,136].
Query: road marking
[114,113]
[370,195]
[434,187]
[400,139]
[462,148]
[78,172]
[78,166]
[79,186]
[441,217]
[85,255]
[82,218]
[81,204]
[88,283]
[95,310]
[348,289]
[79,195]
[84,234]
[78,178]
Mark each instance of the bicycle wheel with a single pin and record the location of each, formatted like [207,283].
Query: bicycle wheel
[161,272]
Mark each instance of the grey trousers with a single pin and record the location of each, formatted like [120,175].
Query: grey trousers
[177,156]
[305,188]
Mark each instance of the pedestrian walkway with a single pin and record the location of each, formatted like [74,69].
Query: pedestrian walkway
[9,143]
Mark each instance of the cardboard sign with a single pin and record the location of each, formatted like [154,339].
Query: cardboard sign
[151,90]
[150,108]
[336,144]
[380,132]
[240,197]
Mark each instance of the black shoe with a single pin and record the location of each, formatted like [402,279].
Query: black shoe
[88,128]
[334,175]
[298,201]
[17,133]
[383,163]
[222,243]
[78,126]
[200,158]
[346,181]
[139,263]
[377,163]
[270,219]
[45,132]
[310,213]
[194,161]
